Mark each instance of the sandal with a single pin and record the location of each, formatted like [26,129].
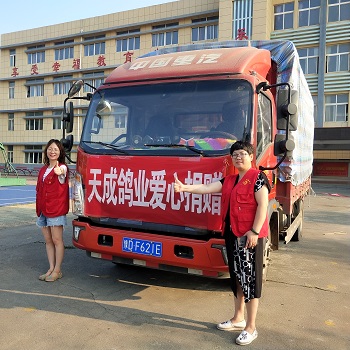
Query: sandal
[43,276]
[53,277]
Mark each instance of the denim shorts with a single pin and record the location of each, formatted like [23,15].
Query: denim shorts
[43,221]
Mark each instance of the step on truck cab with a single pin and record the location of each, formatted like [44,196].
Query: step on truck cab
[176,112]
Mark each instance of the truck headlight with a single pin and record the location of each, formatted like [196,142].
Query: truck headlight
[76,232]
[78,196]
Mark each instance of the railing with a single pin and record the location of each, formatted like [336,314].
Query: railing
[24,171]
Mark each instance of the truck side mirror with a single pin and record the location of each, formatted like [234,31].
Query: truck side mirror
[68,118]
[287,108]
[67,143]
[283,146]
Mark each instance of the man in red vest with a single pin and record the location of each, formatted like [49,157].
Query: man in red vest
[245,227]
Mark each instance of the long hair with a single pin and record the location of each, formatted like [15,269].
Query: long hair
[62,156]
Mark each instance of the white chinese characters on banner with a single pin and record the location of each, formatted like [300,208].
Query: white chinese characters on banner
[123,186]
[161,62]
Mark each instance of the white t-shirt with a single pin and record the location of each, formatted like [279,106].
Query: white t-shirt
[61,178]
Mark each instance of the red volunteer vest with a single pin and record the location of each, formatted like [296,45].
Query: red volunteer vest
[52,197]
[241,201]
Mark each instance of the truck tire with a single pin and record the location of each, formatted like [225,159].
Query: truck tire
[298,208]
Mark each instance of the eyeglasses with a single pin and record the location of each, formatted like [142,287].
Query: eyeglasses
[240,155]
[56,150]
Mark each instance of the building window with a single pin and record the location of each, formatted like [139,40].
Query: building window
[283,16]
[338,10]
[337,108]
[11,90]
[57,120]
[309,60]
[121,117]
[36,56]
[95,79]
[205,31]
[165,35]
[66,51]
[97,48]
[242,18]
[128,42]
[12,58]
[309,12]
[62,84]
[35,87]
[337,57]
[10,153]
[33,155]
[11,122]
[34,121]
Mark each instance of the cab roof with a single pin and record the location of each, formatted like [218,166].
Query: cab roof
[236,60]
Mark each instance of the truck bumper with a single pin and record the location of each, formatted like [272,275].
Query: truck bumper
[206,258]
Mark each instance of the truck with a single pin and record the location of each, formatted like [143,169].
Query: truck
[176,112]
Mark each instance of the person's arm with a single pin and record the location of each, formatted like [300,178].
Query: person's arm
[213,187]
[262,198]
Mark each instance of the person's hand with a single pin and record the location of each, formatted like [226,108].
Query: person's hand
[252,239]
[57,169]
[178,185]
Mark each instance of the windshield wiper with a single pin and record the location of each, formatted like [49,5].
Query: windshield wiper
[109,145]
[175,145]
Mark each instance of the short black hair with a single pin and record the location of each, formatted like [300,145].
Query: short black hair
[244,145]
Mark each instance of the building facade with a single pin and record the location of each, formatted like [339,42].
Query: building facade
[38,66]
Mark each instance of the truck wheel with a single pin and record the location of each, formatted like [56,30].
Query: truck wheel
[298,208]
[266,257]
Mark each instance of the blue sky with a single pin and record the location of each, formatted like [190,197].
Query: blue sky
[26,14]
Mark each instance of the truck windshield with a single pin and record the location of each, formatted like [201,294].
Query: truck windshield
[187,118]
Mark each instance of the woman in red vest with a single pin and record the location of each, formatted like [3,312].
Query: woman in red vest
[52,205]
[245,227]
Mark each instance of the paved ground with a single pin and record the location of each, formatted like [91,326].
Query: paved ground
[96,305]
[17,195]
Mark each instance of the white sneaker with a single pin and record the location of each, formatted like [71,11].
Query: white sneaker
[246,338]
[229,326]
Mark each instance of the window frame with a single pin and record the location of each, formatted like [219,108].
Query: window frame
[338,12]
[202,28]
[12,85]
[11,122]
[36,54]
[12,57]
[310,9]
[94,46]
[283,13]
[33,154]
[338,56]
[95,79]
[334,106]
[64,50]
[309,60]
[61,85]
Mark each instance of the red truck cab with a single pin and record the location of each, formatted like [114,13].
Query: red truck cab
[174,114]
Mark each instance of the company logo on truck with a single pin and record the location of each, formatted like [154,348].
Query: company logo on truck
[184,60]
